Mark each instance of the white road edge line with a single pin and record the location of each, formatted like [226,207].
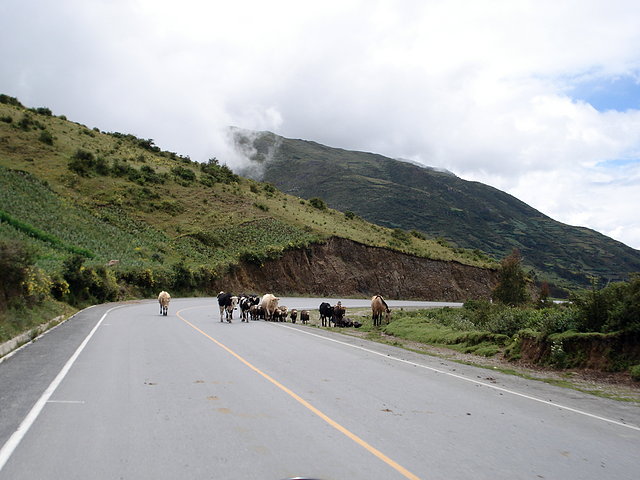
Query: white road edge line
[14,440]
[494,387]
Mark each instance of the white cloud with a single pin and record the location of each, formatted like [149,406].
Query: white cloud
[480,88]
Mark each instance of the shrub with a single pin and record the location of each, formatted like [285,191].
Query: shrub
[558,356]
[479,312]
[509,321]
[46,137]
[183,175]
[36,286]
[635,373]
[59,288]
[318,203]
[120,168]
[88,284]
[418,234]
[610,309]
[214,172]
[101,167]
[147,144]
[144,279]
[75,275]
[625,311]
[43,111]
[7,100]
[82,162]
[149,175]
[400,235]
[26,122]
[103,286]
[557,319]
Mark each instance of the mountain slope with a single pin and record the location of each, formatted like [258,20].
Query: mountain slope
[403,195]
[69,190]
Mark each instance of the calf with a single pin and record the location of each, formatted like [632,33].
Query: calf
[304,316]
[256,312]
[293,315]
[246,302]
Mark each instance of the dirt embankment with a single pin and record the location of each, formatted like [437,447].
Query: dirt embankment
[595,351]
[341,267]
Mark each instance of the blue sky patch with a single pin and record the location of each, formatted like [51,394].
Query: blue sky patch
[618,162]
[619,93]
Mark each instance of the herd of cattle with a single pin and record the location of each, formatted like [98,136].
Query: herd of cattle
[252,307]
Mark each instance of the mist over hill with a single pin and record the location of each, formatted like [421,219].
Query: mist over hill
[403,195]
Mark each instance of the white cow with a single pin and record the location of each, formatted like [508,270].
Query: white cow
[269,304]
[163,299]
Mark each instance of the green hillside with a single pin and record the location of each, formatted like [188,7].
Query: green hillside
[68,191]
[472,215]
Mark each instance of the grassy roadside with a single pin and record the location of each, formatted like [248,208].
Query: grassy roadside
[16,321]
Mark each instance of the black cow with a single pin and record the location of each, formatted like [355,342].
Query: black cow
[227,302]
[326,314]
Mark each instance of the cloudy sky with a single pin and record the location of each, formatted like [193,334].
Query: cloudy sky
[538,98]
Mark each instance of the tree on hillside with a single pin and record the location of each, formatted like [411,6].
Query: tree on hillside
[512,282]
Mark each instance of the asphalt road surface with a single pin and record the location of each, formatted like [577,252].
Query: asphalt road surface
[120,392]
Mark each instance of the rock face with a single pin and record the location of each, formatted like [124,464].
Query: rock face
[341,267]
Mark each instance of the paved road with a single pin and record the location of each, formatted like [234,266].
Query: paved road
[186,396]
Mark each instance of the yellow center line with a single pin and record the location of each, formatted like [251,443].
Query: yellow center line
[406,473]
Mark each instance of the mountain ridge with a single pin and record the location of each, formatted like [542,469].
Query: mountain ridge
[398,194]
